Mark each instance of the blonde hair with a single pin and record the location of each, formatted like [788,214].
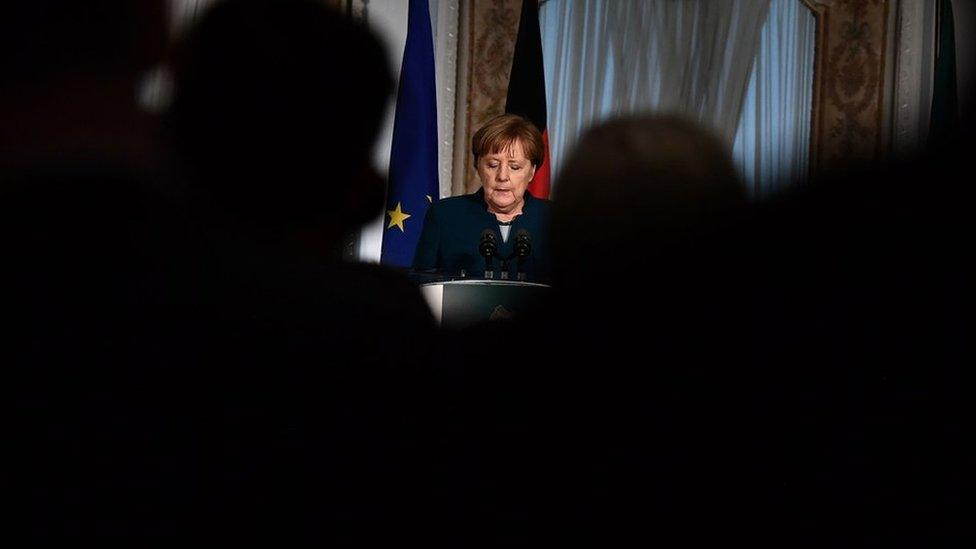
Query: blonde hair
[502,132]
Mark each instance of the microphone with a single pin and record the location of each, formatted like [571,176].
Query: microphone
[488,249]
[523,244]
[523,247]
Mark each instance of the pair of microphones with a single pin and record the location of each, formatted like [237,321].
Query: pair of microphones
[488,248]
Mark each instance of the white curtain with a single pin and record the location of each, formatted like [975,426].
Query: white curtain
[184,13]
[772,145]
[156,89]
[605,58]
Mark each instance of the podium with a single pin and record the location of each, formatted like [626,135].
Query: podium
[462,303]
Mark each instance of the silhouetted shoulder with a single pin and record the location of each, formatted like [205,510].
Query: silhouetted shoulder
[379,290]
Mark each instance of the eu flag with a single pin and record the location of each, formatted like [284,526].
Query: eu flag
[412,184]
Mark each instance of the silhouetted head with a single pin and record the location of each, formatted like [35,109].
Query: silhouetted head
[276,110]
[44,38]
[635,189]
[70,73]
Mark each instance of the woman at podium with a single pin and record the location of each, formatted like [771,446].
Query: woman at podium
[501,231]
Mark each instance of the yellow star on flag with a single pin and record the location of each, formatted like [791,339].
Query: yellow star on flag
[397,217]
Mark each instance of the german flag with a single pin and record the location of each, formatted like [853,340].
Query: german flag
[527,87]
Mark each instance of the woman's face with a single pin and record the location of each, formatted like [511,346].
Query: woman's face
[505,175]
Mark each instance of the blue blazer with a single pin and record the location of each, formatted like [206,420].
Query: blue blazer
[452,232]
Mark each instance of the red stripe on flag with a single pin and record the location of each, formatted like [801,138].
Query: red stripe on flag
[539,186]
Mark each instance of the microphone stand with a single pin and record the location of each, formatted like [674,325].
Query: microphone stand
[488,249]
[522,249]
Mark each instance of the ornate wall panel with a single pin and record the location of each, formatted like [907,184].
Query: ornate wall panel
[849,96]
[493,26]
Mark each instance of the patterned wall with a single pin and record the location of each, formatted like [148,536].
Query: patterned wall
[849,97]
[493,26]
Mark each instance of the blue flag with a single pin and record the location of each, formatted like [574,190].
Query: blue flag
[412,184]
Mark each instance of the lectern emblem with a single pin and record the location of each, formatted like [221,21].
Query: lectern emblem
[501,313]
